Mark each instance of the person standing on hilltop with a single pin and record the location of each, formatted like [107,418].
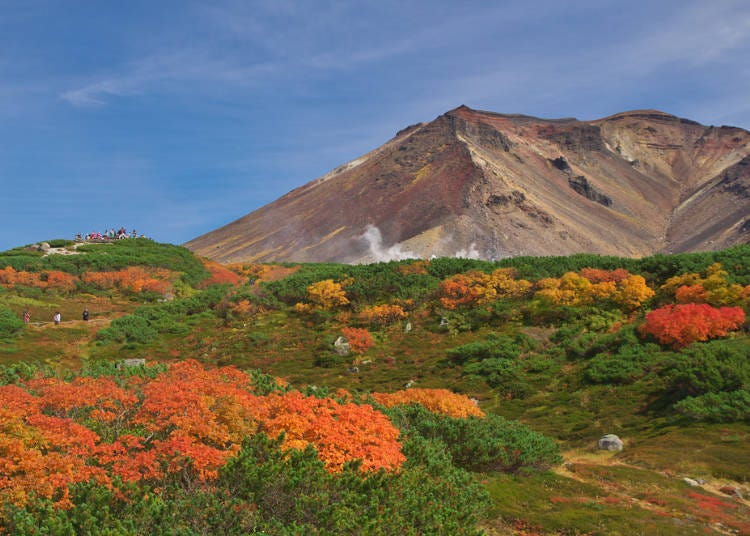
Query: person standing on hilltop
[26,316]
[86,315]
[57,318]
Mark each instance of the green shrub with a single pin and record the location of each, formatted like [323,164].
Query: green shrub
[493,347]
[710,367]
[625,366]
[101,367]
[490,443]
[497,372]
[60,243]
[294,490]
[10,324]
[731,406]
[128,329]
[22,371]
[114,255]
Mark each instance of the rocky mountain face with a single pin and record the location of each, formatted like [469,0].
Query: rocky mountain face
[474,183]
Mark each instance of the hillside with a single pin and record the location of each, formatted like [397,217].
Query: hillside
[556,352]
[486,185]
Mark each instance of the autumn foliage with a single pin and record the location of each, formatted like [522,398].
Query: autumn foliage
[132,279]
[478,288]
[382,315]
[713,287]
[10,277]
[359,339]
[683,324]
[440,401]
[220,274]
[186,421]
[591,286]
[326,294]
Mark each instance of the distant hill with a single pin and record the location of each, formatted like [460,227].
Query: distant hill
[487,185]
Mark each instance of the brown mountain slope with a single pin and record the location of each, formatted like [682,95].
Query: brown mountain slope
[493,185]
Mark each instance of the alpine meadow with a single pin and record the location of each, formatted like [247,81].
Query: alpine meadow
[441,396]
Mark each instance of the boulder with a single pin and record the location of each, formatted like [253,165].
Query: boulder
[341,346]
[610,442]
[132,362]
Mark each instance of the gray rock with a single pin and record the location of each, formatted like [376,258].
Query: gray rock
[610,442]
[341,346]
[407,328]
[134,362]
[44,246]
[691,482]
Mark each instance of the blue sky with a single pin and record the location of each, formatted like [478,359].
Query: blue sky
[175,117]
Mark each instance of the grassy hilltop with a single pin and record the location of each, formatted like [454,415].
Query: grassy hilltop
[300,397]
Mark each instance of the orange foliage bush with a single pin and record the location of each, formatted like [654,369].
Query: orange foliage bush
[191,420]
[439,401]
[132,279]
[478,288]
[52,279]
[60,280]
[219,274]
[11,277]
[243,307]
[683,324]
[596,275]
[382,314]
[418,267]
[713,288]
[339,432]
[691,294]
[359,339]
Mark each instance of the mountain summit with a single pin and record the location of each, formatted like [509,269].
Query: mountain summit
[489,185]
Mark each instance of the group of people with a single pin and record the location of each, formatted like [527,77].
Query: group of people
[110,234]
[56,318]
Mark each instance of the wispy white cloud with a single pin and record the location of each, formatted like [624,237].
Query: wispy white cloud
[698,34]
[241,45]
[698,37]
[188,69]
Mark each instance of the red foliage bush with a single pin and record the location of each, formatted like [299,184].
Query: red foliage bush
[683,324]
[359,339]
[219,275]
[596,275]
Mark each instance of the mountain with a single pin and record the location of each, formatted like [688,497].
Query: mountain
[489,185]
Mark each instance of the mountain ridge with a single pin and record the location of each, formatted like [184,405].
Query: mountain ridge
[633,183]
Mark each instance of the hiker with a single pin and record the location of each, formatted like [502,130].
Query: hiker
[85,315]
[57,318]
[26,317]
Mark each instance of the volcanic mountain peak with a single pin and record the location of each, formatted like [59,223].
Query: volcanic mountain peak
[497,185]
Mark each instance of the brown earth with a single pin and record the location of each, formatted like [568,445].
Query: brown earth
[473,183]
